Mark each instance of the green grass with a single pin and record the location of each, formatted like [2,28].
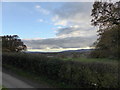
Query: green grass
[3,88]
[105,60]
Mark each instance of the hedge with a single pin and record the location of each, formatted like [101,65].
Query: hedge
[75,73]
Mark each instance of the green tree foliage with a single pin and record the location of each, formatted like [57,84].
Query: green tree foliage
[106,16]
[12,44]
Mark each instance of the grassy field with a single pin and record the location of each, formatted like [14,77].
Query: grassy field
[74,72]
[91,60]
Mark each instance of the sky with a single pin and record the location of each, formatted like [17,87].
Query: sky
[50,26]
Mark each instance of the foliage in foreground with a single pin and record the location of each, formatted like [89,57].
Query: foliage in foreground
[74,73]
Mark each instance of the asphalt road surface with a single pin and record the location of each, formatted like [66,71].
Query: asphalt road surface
[10,80]
[13,82]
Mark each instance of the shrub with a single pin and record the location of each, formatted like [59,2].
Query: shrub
[74,73]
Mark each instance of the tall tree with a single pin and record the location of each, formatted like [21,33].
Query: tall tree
[12,43]
[106,16]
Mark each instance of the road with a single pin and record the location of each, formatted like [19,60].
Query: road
[10,80]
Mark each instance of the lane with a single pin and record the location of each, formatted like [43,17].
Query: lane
[13,82]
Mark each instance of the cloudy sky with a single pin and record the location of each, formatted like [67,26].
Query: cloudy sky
[50,26]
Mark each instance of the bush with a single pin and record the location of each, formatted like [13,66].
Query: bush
[74,73]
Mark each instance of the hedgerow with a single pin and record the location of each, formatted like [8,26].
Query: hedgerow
[75,73]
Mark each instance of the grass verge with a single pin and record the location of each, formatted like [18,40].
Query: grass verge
[3,88]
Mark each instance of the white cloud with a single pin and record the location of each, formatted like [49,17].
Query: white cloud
[55,18]
[61,22]
[59,27]
[75,31]
[58,43]
[33,39]
[57,21]
[55,49]
[75,19]
[42,10]
[37,6]
[40,20]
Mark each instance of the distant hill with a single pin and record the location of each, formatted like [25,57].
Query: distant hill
[81,50]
